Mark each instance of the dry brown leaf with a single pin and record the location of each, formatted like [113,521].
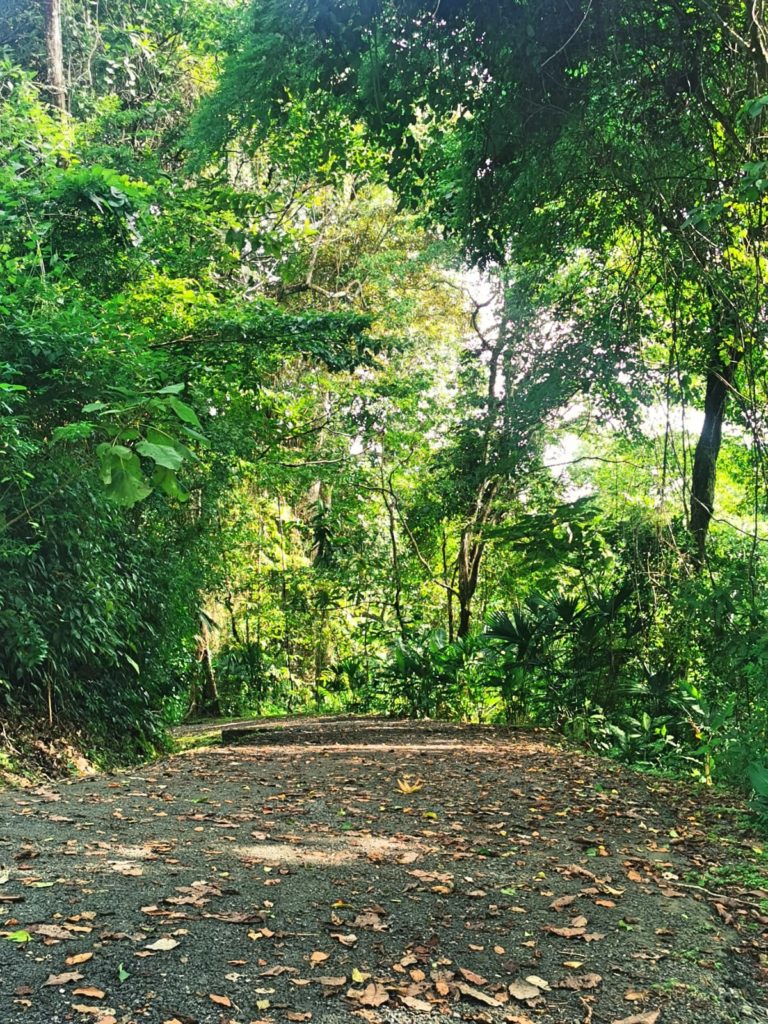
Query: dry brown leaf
[474,993]
[89,992]
[51,931]
[564,933]
[164,944]
[63,979]
[78,958]
[579,922]
[318,957]
[419,1005]
[298,1015]
[633,996]
[345,940]
[640,1018]
[220,1000]
[408,857]
[333,982]
[126,868]
[562,902]
[372,995]
[95,1011]
[523,990]
[369,919]
[580,982]
[472,978]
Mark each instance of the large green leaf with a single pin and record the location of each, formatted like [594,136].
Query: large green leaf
[120,471]
[162,454]
[165,480]
[184,411]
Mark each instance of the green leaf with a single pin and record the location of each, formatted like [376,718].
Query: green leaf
[162,454]
[19,936]
[172,389]
[122,974]
[120,471]
[196,435]
[94,406]
[756,107]
[165,480]
[184,411]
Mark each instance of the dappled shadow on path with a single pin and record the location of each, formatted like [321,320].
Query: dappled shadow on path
[394,867]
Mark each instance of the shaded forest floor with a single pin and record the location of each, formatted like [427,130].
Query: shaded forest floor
[339,870]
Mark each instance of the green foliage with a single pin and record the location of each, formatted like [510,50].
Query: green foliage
[352,356]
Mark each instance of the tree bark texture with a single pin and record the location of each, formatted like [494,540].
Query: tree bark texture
[55,53]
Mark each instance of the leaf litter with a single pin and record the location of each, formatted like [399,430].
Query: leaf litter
[521,845]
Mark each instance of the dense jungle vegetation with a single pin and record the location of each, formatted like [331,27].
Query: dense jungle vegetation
[381,355]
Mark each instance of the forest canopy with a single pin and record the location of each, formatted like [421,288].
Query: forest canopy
[380,355]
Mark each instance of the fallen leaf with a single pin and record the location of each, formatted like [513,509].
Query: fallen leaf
[372,995]
[297,1016]
[523,990]
[480,997]
[220,1000]
[62,979]
[640,1018]
[470,976]
[564,933]
[580,982]
[562,902]
[318,957]
[164,944]
[78,958]
[416,1004]
[89,992]
[405,785]
[51,931]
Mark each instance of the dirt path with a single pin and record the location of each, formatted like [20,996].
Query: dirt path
[294,880]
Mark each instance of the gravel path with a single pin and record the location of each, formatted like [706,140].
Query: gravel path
[346,870]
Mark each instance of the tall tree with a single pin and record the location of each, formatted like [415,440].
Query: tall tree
[57,87]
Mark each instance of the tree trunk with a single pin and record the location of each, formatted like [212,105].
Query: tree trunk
[55,51]
[704,476]
[210,695]
[470,556]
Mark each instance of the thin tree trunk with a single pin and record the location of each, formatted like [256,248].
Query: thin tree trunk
[210,695]
[470,556]
[704,474]
[55,52]
[448,591]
